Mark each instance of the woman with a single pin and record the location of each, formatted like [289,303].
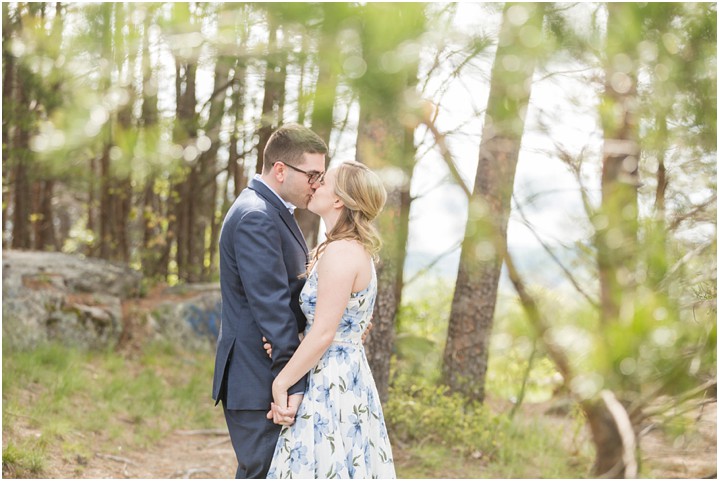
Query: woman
[339,428]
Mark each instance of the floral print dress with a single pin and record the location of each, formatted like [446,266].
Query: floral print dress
[339,429]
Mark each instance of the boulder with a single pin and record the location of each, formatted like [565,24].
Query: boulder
[189,317]
[51,296]
[93,304]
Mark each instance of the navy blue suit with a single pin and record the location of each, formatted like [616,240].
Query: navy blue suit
[262,255]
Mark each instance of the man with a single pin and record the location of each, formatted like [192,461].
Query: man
[262,256]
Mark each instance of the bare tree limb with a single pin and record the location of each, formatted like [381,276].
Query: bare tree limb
[424,270]
[569,275]
[535,317]
[575,167]
[626,433]
[447,156]
[563,72]
[679,219]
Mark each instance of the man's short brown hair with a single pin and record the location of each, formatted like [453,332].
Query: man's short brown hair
[289,143]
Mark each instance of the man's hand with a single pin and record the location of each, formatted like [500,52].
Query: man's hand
[366,331]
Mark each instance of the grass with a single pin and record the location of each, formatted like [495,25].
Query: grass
[87,402]
[63,405]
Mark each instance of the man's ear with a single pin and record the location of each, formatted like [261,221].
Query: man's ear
[278,171]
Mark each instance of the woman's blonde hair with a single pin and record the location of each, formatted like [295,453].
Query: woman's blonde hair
[364,196]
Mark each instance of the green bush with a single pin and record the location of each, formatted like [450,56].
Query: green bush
[440,431]
[422,413]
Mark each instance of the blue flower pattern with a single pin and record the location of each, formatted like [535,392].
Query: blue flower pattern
[339,430]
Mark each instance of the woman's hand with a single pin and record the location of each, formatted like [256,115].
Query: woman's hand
[280,407]
[267,346]
[284,408]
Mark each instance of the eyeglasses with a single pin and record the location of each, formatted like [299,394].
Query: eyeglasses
[312,177]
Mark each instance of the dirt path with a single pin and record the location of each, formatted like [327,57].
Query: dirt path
[180,455]
[209,454]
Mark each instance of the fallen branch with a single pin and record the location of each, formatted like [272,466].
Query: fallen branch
[112,457]
[217,442]
[189,472]
[204,432]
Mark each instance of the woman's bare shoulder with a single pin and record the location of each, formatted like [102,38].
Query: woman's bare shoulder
[345,251]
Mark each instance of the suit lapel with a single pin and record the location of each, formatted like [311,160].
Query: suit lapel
[285,215]
[291,222]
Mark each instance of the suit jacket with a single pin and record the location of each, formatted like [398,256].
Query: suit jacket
[262,255]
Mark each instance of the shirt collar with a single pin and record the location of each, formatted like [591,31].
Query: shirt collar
[289,206]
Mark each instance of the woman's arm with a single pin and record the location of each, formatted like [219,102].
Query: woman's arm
[336,273]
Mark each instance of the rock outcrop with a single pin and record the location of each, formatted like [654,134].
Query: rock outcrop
[93,304]
[51,296]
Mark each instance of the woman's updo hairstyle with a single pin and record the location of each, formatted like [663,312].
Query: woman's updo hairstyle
[363,195]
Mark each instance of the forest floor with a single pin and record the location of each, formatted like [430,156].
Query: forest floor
[209,454]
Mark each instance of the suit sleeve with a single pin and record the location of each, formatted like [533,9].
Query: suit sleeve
[258,250]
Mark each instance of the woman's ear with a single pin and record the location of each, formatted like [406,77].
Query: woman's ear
[338,204]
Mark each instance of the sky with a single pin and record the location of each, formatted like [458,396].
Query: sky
[565,104]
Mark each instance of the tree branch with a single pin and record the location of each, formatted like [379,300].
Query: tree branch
[679,219]
[535,317]
[446,155]
[424,270]
[553,256]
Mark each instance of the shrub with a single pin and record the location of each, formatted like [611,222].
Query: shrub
[419,413]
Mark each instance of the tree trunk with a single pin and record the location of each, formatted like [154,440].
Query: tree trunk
[236,162]
[472,314]
[8,61]
[105,217]
[21,176]
[184,133]
[153,253]
[92,204]
[115,183]
[617,231]
[274,87]
[45,238]
[322,117]
[378,140]
[183,189]
[383,139]
[205,222]
[16,134]
[617,222]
